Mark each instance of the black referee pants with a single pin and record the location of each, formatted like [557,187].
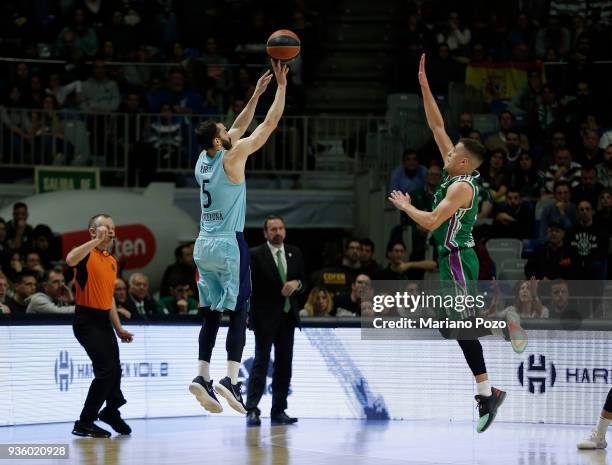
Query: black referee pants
[94,331]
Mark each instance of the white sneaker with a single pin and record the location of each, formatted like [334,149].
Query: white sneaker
[593,441]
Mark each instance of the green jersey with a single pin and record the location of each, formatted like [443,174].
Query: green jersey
[456,232]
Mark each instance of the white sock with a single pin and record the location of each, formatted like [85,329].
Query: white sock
[484,388]
[602,426]
[204,370]
[232,371]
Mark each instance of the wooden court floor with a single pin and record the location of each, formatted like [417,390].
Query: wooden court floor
[227,441]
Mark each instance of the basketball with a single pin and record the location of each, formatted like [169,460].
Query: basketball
[283,45]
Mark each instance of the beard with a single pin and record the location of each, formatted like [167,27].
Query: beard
[465,132]
[227,144]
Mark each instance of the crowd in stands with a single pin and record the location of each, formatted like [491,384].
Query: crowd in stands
[34,279]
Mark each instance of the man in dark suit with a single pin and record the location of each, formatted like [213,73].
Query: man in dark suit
[277,275]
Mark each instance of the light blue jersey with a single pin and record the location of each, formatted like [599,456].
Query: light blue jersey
[223,203]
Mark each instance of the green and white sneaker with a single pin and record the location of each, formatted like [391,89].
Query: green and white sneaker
[487,408]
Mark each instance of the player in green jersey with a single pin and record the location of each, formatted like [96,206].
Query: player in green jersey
[455,208]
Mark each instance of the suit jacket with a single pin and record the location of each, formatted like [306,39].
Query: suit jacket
[267,302]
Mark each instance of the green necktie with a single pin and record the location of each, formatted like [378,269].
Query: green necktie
[283,275]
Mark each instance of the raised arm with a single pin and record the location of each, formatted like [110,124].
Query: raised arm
[432,112]
[79,253]
[459,195]
[245,117]
[236,158]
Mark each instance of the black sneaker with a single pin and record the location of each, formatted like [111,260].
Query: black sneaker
[487,408]
[232,393]
[114,420]
[89,430]
[205,394]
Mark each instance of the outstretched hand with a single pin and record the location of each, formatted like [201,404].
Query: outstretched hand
[262,83]
[280,72]
[400,200]
[422,76]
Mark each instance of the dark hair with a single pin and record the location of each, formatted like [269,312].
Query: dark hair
[270,218]
[19,205]
[506,112]
[42,230]
[206,132]
[25,274]
[409,151]
[559,281]
[392,244]
[561,183]
[588,167]
[367,242]
[514,131]
[475,149]
[92,220]
[178,252]
[47,273]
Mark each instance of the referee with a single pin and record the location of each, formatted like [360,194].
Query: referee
[95,270]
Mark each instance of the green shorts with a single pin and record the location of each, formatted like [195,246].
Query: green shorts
[459,277]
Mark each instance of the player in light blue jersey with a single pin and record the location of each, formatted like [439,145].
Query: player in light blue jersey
[221,253]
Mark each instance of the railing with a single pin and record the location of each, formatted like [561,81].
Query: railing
[140,146]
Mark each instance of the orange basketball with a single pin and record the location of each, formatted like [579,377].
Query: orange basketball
[283,45]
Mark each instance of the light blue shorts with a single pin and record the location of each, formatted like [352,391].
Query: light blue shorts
[224,271]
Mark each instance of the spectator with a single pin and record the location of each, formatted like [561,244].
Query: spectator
[410,176]
[34,265]
[494,177]
[25,286]
[350,304]
[16,125]
[476,135]
[139,303]
[179,302]
[466,125]
[590,154]
[43,245]
[34,96]
[550,260]
[333,276]
[526,301]
[562,210]
[100,94]
[589,189]
[553,35]
[564,169]
[182,270]
[588,245]
[548,112]
[15,266]
[369,266]
[85,38]
[49,134]
[527,99]
[583,104]
[215,63]
[182,100]
[165,135]
[498,140]
[120,295]
[67,96]
[603,217]
[4,309]
[18,231]
[55,297]
[513,148]
[455,37]
[604,169]
[561,307]
[442,70]
[399,268]
[318,304]
[526,179]
[514,218]
[351,255]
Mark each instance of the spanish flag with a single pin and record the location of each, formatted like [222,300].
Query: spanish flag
[497,80]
